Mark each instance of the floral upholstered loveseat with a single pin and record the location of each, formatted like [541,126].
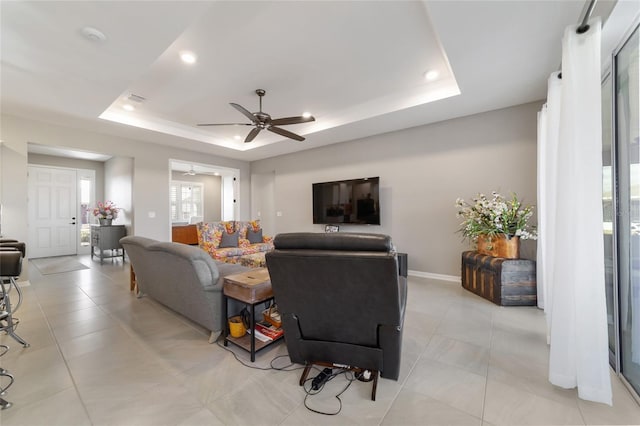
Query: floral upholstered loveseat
[229,241]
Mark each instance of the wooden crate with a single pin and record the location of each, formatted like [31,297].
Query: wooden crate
[506,282]
[250,287]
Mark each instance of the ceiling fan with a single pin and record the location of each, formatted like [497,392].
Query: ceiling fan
[191,172]
[263,121]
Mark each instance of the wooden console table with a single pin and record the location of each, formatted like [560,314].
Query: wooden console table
[506,282]
[185,234]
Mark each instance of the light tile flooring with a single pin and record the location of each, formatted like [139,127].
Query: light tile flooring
[101,356]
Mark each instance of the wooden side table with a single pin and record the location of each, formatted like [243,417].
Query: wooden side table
[251,288]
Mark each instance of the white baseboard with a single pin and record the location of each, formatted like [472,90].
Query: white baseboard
[433,276]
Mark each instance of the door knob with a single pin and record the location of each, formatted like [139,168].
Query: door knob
[72,223]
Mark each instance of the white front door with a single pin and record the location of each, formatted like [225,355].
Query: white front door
[52,212]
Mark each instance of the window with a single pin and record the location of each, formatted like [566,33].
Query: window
[86,184]
[186,200]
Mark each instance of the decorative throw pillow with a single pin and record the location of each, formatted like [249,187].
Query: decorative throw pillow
[229,240]
[254,236]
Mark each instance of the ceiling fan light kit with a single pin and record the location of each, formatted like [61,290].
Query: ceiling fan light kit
[263,121]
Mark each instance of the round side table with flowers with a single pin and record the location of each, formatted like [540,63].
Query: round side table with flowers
[106,212]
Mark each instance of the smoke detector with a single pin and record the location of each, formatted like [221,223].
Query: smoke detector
[93,34]
[136,98]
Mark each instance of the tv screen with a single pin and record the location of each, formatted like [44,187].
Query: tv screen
[353,201]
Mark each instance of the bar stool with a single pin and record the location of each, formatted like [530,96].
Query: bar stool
[4,404]
[11,254]
[10,268]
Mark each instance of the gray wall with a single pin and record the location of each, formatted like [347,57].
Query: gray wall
[422,171]
[118,172]
[212,193]
[72,163]
[263,200]
[151,173]
[14,190]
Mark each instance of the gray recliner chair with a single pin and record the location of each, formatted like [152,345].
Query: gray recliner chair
[342,300]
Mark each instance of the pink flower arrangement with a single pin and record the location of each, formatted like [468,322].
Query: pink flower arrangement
[106,210]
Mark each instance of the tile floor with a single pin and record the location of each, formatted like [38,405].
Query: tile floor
[101,356]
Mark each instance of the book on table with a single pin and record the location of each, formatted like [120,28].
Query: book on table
[267,332]
[260,336]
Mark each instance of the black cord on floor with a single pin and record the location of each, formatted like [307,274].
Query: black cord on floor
[348,374]
[271,363]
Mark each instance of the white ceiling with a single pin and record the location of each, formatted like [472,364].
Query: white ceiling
[357,66]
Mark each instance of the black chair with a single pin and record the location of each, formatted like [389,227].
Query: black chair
[11,255]
[342,301]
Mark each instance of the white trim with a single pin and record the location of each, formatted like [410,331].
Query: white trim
[434,276]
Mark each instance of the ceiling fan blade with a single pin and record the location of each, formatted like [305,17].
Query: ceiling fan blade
[226,124]
[285,133]
[291,120]
[252,134]
[244,111]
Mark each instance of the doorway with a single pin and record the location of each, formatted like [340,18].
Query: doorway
[52,218]
[202,192]
[58,210]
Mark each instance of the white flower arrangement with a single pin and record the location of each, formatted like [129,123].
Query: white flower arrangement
[495,216]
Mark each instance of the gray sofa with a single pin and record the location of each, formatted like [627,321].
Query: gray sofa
[184,278]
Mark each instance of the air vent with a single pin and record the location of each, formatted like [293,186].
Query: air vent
[136,98]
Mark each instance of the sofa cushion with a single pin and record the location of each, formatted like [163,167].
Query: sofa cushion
[210,233]
[229,240]
[243,226]
[229,254]
[254,236]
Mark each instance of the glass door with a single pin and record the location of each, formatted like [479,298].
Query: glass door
[608,203]
[627,144]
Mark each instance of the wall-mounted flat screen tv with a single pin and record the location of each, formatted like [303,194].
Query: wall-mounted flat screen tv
[353,201]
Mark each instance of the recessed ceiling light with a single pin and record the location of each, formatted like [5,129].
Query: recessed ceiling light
[237,137]
[188,57]
[128,107]
[431,75]
[93,34]
[216,174]
[306,114]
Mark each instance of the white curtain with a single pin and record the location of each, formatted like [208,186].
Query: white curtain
[548,133]
[576,299]
[542,206]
